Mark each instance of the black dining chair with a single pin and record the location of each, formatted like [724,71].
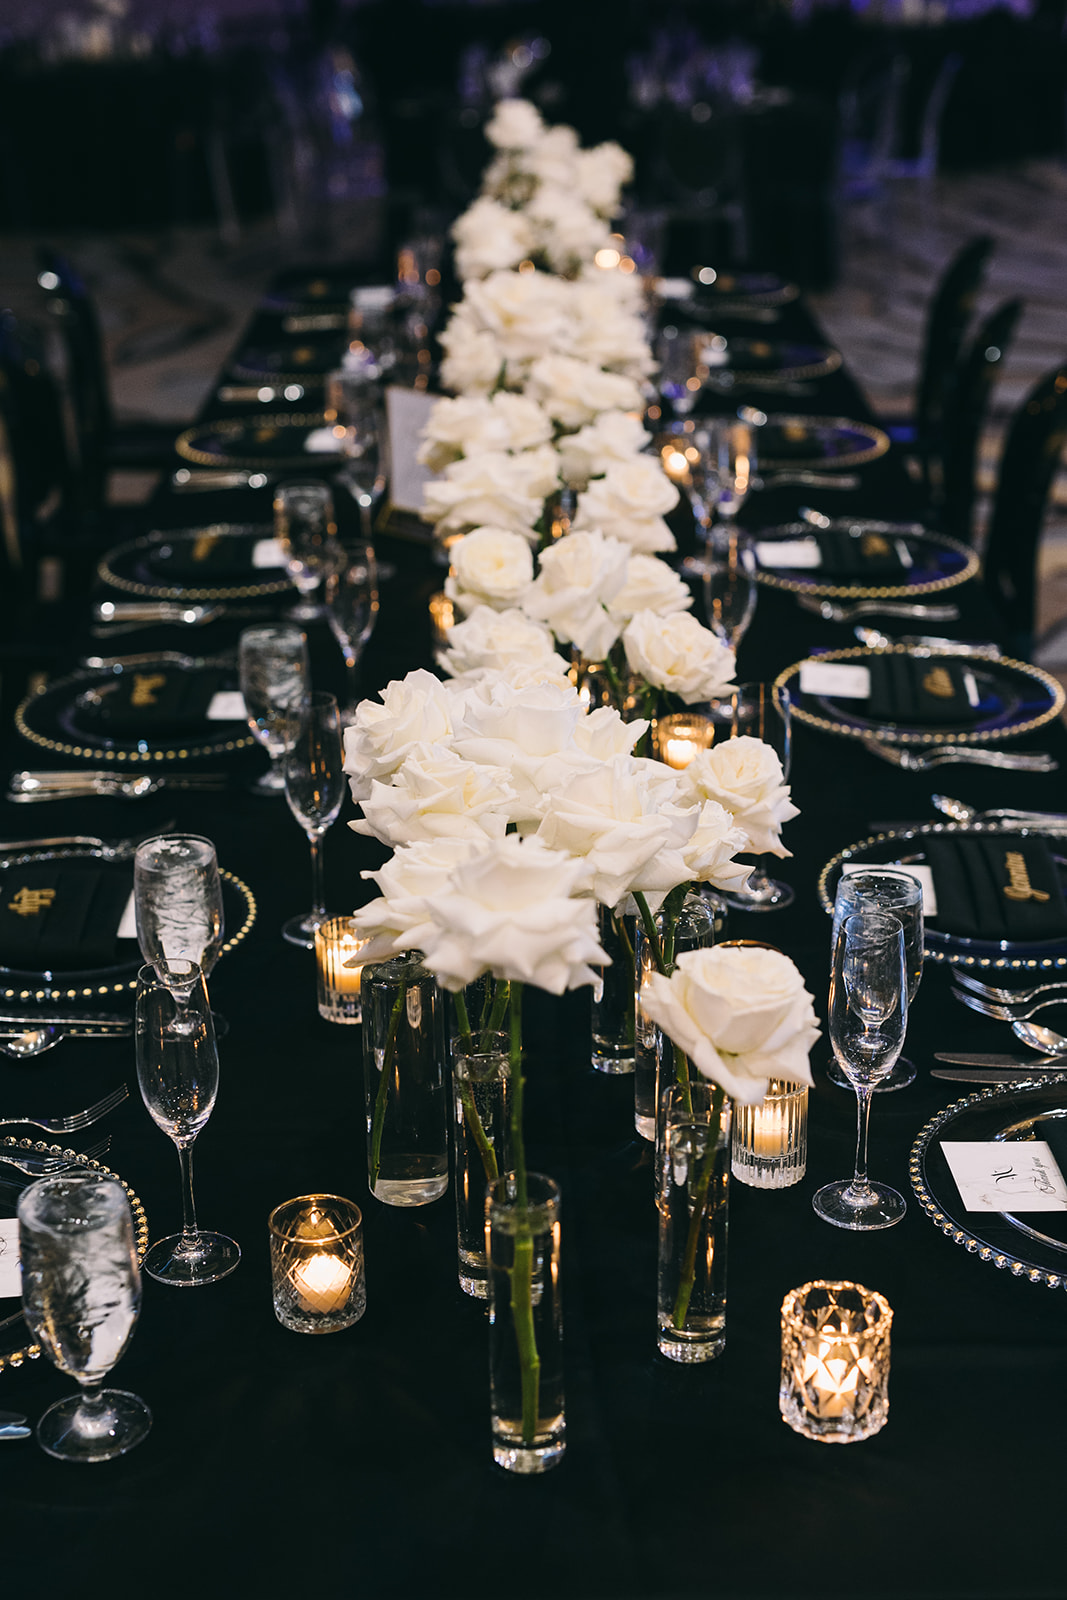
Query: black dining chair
[34,461]
[951,309]
[966,409]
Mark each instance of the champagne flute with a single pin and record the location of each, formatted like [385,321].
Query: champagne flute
[178,1073]
[868,1015]
[305,527]
[274,679]
[177,900]
[315,790]
[722,475]
[900,895]
[352,609]
[81,1296]
[729,583]
[353,403]
[759,711]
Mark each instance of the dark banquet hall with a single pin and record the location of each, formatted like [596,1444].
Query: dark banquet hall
[533,609]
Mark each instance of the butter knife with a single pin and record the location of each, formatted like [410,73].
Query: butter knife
[960,1058]
[980,1075]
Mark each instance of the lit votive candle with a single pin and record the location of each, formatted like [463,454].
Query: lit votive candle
[835,1361]
[442,617]
[316,1246]
[336,945]
[681,737]
[770,1141]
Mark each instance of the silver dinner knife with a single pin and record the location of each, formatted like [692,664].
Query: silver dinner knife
[108,1020]
[982,1075]
[963,1058]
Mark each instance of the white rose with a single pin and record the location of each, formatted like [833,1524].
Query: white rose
[602,733]
[490,567]
[742,1016]
[608,331]
[514,125]
[552,158]
[651,585]
[472,424]
[530,731]
[574,392]
[630,501]
[509,911]
[413,710]
[526,312]
[579,576]
[600,174]
[678,654]
[614,436]
[710,853]
[435,794]
[744,775]
[411,877]
[473,358]
[489,639]
[568,231]
[493,489]
[489,237]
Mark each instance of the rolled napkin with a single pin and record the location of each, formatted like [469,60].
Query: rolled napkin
[62,915]
[924,692]
[997,886]
[865,554]
[159,700]
[209,555]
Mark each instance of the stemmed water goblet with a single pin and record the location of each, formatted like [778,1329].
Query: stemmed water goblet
[315,790]
[899,894]
[274,683]
[868,1015]
[178,1073]
[352,609]
[721,476]
[729,582]
[305,527]
[81,1296]
[760,711]
[177,900]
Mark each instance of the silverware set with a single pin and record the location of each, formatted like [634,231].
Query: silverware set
[111,617]
[1011,821]
[831,612]
[76,1120]
[921,644]
[29,788]
[46,1166]
[966,755]
[203,480]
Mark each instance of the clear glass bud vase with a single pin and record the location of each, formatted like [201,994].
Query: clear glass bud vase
[613,1013]
[481,1086]
[693,1196]
[701,923]
[525,1324]
[404,1080]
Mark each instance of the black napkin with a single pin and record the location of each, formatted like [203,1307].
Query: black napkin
[987,887]
[908,690]
[207,557]
[62,915]
[866,554]
[158,700]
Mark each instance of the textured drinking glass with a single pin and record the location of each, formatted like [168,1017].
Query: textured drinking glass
[692,1192]
[701,923]
[177,898]
[481,1088]
[81,1295]
[274,683]
[770,1149]
[316,1263]
[525,1315]
[760,711]
[898,893]
[613,1013]
[337,943]
[729,583]
[404,1079]
[868,1015]
[835,1361]
[306,529]
[178,1074]
[315,789]
[352,610]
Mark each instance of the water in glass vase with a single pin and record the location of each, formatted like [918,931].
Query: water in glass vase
[693,1199]
[701,923]
[613,1013]
[482,1096]
[404,1078]
[525,1325]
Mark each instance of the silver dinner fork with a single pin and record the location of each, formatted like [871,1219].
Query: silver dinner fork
[45,1166]
[1008,997]
[951,754]
[76,1120]
[30,788]
[831,612]
[1003,1013]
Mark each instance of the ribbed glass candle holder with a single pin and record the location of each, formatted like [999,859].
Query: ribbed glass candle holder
[770,1148]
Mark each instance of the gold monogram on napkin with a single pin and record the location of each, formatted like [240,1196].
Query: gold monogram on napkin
[938,683]
[874,544]
[146,686]
[203,546]
[1019,886]
[31,902]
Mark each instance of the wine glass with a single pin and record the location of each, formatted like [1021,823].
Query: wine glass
[305,527]
[274,679]
[868,1015]
[81,1296]
[761,712]
[315,790]
[353,402]
[900,895]
[352,609]
[177,899]
[178,1073]
[722,474]
[680,381]
[729,582]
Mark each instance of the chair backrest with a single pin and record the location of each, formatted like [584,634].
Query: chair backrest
[966,408]
[34,468]
[946,323]
[70,303]
[1032,453]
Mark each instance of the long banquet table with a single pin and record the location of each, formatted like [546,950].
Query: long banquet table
[360,1464]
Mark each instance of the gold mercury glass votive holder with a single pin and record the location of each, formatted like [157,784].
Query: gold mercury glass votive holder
[336,944]
[681,737]
[770,1148]
[316,1259]
[835,1361]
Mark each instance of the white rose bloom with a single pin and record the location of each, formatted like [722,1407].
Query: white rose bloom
[579,576]
[604,735]
[473,358]
[489,237]
[678,654]
[526,312]
[600,174]
[608,332]
[651,585]
[495,640]
[621,820]
[435,794]
[529,730]
[509,911]
[630,501]
[411,877]
[490,567]
[472,424]
[744,775]
[515,125]
[626,288]
[614,436]
[413,710]
[493,489]
[742,1016]
[567,230]
[553,158]
[709,855]
[575,392]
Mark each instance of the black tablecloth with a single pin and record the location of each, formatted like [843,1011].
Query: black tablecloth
[360,1463]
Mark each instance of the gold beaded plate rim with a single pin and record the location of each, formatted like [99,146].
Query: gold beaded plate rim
[9,1146]
[950,956]
[161,591]
[117,756]
[939,1215]
[856,458]
[50,993]
[915,736]
[858,591]
[829,362]
[232,428]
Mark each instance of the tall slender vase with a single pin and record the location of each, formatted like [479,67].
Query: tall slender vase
[701,923]
[613,1013]
[404,1079]
[693,1197]
[481,1088]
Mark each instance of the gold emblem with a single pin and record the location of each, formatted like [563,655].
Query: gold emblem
[303,355]
[874,544]
[29,902]
[1020,887]
[144,688]
[203,546]
[938,683]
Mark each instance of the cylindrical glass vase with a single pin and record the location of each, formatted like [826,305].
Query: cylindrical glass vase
[481,1088]
[525,1324]
[701,924]
[404,1079]
[693,1195]
[770,1149]
[613,1013]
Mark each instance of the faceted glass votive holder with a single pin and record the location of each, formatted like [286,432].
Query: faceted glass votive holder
[316,1258]
[681,737]
[770,1149]
[336,942]
[835,1361]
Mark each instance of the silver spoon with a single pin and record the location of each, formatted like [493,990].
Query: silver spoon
[1038,1037]
[34,1042]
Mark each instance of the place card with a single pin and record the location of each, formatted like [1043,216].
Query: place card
[228,705]
[10,1277]
[793,553]
[838,679]
[407,411]
[268,553]
[674,288]
[127,928]
[1006,1175]
[914,869]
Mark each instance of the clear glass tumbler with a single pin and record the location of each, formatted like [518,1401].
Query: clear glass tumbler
[693,1189]
[613,1013]
[525,1324]
[404,1079]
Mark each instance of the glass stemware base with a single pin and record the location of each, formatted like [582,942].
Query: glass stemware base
[301,930]
[902,1074]
[861,1207]
[306,611]
[186,1263]
[762,894]
[270,783]
[94,1427]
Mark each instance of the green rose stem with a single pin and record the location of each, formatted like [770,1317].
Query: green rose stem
[380,1099]
[500,1007]
[619,924]
[466,1095]
[521,1269]
[648,922]
[699,1209]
